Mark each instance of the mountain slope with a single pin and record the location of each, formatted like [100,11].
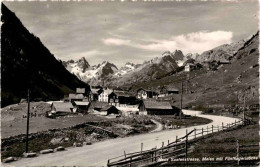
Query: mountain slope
[147,71]
[221,87]
[221,53]
[27,63]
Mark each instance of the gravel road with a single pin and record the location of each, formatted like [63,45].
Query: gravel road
[98,153]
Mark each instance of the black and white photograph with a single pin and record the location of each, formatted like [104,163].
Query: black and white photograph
[130,83]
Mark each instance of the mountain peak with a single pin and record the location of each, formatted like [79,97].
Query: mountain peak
[83,64]
[177,55]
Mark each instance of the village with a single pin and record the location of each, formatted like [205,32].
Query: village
[108,102]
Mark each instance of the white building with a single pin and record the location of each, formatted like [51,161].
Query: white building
[104,95]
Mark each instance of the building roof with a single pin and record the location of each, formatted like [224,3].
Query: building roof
[99,104]
[95,91]
[172,89]
[147,90]
[151,104]
[169,88]
[81,103]
[107,91]
[80,90]
[62,106]
[76,96]
[107,108]
[122,93]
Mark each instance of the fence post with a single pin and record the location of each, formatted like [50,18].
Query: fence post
[207,129]
[130,162]
[195,133]
[125,153]
[212,128]
[218,128]
[168,145]
[235,122]
[176,139]
[141,147]
[202,131]
[237,152]
[186,149]
[108,161]
[187,134]
[222,126]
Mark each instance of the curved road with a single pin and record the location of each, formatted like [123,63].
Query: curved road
[98,153]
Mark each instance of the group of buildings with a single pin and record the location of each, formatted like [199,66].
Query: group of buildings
[107,101]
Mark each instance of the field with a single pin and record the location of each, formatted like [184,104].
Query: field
[224,144]
[14,123]
[183,123]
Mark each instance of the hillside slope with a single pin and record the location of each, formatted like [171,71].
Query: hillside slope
[229,84]
[27,63]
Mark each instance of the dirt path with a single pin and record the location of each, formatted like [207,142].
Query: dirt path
[98,153]
[158,128]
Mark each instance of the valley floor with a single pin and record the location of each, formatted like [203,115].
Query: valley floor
[49,138]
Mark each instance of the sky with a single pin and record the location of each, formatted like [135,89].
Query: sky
[121,32]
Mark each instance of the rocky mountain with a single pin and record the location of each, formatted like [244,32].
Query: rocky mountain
[177,55]
[128,67]
[147,71]
[221,53]
[27,63]
[227,86]
[90,74]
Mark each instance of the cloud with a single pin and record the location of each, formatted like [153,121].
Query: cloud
[88,54]
[196,42]
[116,41]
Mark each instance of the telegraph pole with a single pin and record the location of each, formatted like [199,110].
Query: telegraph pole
[244,106]
[181,98]
[28,115]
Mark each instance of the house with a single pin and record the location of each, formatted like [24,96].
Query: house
[98,105]
[75,97]
[168,91]
[145,94]
[94,93]
[104,95]
[80,91]
[62,108]
[82,106]
[121,97]
[107,110]
[189,67]
[224,62]
[152,107]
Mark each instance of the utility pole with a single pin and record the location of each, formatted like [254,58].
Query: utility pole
[244,106]
[186,86]
[28,115]
[181,98]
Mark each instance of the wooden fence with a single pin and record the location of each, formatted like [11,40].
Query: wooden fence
[175,149]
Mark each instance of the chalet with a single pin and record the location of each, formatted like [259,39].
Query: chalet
[145,94]
[104,95]
[75,97]
[62,108]
[94,94]
[82,106]
[98,105]
[121,97]
[224,62]
[152,107]
[168,90]
[80,91]
[107,110]
[189,67]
